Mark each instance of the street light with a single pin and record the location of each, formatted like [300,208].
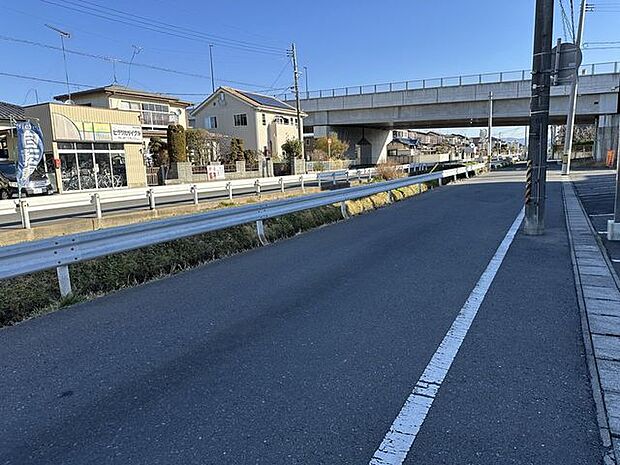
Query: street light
[63,35]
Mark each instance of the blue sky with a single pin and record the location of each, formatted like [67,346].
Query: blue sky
[341,43]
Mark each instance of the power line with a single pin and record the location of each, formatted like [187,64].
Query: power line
[124,62]
[162,28]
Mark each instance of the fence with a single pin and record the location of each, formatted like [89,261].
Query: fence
[449,81]
[329,165]
[60,252]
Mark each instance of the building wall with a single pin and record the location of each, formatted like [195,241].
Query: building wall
[224,110]
[52,117]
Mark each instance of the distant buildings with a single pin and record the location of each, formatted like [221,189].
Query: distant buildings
[264,123]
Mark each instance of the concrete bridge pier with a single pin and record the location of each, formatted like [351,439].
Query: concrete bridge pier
[366,145]
[607,137]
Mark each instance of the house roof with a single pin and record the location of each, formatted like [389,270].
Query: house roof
[9,110]
[122,90]
[407,141]
[254,99]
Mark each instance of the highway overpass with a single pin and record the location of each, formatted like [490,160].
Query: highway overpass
[367,114]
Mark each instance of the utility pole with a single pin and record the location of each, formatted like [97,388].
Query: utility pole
[539,120]
[63,35]
[572,103]
[211,61]
[490,135]
[300,128]
[306,79]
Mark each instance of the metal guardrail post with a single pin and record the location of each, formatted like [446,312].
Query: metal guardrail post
[257,186]
[423,83]
[150,194]
[64,280]
[615,67]
[501,77]
[95,199]
[359,176]
[344,211]
[229,188]
[334,178]
[460,80]
[346,176]
[480,79]
[281,182]
[24,214]
[318,178]
[194,191]
[440,181]
[260,232]
[301,180]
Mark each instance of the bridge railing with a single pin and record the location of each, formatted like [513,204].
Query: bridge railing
[448,81]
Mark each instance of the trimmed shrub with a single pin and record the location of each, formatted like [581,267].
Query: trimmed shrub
[176,143]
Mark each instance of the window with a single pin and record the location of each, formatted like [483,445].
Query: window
[92,166]
[264,120]
[241,119]
[211,122]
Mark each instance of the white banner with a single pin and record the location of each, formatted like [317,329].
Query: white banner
[215,172]
[126,133]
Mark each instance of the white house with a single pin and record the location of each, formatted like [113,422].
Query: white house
[264,123]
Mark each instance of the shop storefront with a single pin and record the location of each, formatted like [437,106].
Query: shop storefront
[91,148]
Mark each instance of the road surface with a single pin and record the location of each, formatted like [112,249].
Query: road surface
[305,351]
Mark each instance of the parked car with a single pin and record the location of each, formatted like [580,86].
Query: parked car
[38,184]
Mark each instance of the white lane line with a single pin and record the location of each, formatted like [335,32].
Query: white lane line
[602,214]
[399,439]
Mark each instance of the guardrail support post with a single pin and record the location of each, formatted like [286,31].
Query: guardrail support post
[334,178]
[229,188]
[257,186]
[96,200]
[281,182]
[344,211]
[455,176]
[359,176]
[150,194]
[64,280]
[301,180]
[466,173]
[194,191]
[440,181]
[260,232]
[318,178]
[25,215]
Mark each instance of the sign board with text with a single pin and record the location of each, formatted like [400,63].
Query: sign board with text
[126,133]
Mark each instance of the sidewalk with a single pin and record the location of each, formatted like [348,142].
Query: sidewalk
[599,299]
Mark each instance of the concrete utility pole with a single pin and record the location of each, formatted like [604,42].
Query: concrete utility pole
[539,120]
[490,135]
[306,79]
[572,103]
[300,127]
[211,61]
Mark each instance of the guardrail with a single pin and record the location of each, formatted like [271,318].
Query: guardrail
[150,195]
[611,67]
[60,252]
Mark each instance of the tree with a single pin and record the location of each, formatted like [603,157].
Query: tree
[202,144]
[159,149]
[176,143]
[236,150]
[250,156]
[292,149]
[336,149]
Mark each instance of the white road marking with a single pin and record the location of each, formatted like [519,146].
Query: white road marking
[399,439]
[615,260]
[602,214]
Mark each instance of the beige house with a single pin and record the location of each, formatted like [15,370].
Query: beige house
[156,111]
[264,123]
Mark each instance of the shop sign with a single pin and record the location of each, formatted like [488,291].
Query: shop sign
[126,133]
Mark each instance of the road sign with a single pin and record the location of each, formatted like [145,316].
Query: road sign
[568,57]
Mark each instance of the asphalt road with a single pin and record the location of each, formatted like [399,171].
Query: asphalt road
[304,351]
